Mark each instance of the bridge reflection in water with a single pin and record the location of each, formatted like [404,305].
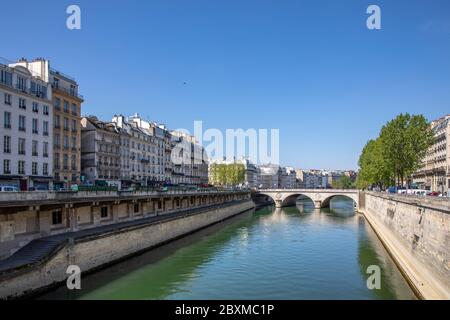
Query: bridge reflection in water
[275,253]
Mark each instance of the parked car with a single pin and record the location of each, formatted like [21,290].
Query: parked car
[8,189]
[434,194]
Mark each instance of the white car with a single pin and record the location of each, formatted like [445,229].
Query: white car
[8,189]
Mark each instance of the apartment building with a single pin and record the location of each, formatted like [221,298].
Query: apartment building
[188,160]
[66,130]
[434,174]
[25,130]
[100,152]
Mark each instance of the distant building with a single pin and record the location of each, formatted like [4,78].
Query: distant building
[434,174]
[100,152]
[288,178]
[269,176]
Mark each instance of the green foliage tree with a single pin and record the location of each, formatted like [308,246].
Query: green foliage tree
[227,174]
[396,153]
[343,182]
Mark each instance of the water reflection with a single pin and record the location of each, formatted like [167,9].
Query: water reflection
[288,253]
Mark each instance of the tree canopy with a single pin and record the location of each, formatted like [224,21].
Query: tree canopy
[396,153]
[227,174]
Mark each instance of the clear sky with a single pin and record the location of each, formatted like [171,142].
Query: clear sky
[310,68]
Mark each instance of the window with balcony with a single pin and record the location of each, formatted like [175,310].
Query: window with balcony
[21,146]
[35,107]
[45,110]
[66,142]
[21,123]
[34,148]
[7,99]
[65,162]
[7,120]
[66,124]
[57,122]
[22,103]
[45,128]
[35,126]
[34,168]
[21,167]
[6,144]
[57,103]
[74,109]
[6,166]
[66,106]
[45,149]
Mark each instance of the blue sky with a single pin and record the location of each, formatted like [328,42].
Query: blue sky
[310,68]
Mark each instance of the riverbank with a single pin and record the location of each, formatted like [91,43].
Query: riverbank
[99,247]
[415,232]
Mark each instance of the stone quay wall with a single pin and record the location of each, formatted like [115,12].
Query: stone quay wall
[416,232]
[94,252]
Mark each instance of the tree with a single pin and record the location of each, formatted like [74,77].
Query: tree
[227,174]
[343,182]
[405,141]
[396,153]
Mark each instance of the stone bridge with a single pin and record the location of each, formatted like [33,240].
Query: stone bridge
[320,197]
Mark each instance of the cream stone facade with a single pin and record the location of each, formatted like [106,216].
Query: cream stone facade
[434,173]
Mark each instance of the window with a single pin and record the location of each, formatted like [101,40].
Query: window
[22,103]
[66,142]
[57,103]
[74,109]
[45,149]
[74,125]
[34,148]
[66,124]
[45,169]
[66,162]
[56,121]
[56,162]
[21,83]
[7,99]
[7,144]
[45,128]
[21,146]
[21,167]
[66,106]
[56,83]
[6,77]
[21,123]
[74,142]
[6,166]
[35,126]
[56,217]
[7,120]
[57,140]
[35,107]
[104,212]
[73,162]
[45,109]
[34,168]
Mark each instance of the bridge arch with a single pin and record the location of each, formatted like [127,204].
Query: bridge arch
[291,200]
[326,202]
